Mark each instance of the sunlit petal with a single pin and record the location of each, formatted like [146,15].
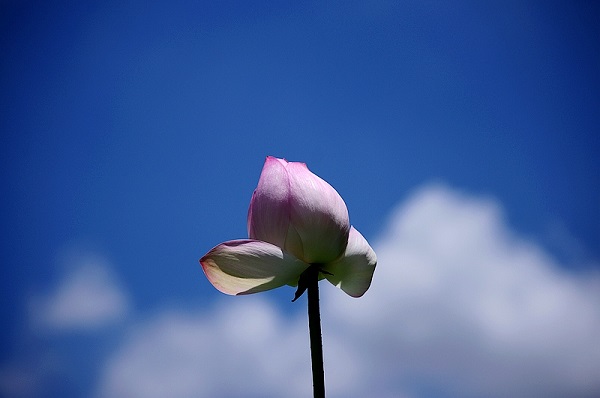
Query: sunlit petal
[250,266]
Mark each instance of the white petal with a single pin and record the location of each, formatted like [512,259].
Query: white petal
[353,271]
[250,266]
[319,215]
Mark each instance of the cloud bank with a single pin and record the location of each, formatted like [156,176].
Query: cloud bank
[460,306]
[242,348]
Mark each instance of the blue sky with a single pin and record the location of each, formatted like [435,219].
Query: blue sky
[133,134]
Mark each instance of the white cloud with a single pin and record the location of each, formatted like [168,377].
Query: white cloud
[459,306]
[89,297]
[86,299]
[464,305]
[242,348]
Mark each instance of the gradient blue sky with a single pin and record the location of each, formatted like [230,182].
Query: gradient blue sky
[138,130]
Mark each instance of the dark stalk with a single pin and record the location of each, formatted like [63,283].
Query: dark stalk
[314,327]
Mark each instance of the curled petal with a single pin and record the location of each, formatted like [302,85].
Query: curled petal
[250,266]
[318,214]
[353,271]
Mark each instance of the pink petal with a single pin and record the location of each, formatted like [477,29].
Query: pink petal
[268,214]
[250,266]
[353,271]
[318,214]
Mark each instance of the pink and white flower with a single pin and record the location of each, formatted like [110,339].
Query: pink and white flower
[295,220]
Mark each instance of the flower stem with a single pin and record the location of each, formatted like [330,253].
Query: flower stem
[314,327]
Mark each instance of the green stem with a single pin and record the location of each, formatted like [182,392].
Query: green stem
[314,327]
